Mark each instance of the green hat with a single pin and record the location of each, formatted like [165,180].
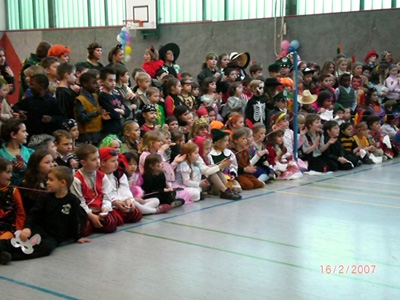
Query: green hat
[282,96]
[275,67]
[337,107]
[284,62]
[218,134]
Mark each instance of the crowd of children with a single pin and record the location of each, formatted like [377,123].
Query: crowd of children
[125,150]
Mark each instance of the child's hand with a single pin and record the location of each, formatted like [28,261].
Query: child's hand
[129,204]
[322,110]
[105,115]
[95,219]
[133,106]
[120,205]
[19,163]
[179,158]
[76,88]
[25,234]
[119,110]
[204,183]
[9,71]
[342,160]
[332,140]
[141,201]
[73,163]
[168,190]
[317,140]
[22,114]
[225,163]
[130,96]
[217,75]
[15,115]
[164,147]
[304,131]
[46,119]
[84,240]
[262,152]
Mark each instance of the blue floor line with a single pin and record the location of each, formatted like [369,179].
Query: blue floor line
[38,288]
[184,214]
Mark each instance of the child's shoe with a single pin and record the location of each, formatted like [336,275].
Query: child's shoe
[230,195]
[5,258]
[177,202]
[163,208]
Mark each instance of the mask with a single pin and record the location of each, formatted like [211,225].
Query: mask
[260,89]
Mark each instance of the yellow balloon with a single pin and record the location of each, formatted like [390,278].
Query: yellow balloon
[128,50]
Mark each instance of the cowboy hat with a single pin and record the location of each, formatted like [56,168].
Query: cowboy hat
[307,97]
[170,46]
[243,58]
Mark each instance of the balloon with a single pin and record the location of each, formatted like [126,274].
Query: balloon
[128,50]
[285,44]
[127,58]
[125,29]
[290,49]
[295,44]
[119,38]
[128,42]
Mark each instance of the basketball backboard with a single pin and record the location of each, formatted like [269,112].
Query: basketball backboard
[141,13]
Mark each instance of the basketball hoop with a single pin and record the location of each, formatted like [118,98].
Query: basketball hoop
[134,24]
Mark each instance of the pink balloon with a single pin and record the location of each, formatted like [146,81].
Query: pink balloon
[285,44]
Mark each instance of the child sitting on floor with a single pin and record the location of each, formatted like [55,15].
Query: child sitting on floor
[121,196]
[93,189]
[57,217]
[150,205]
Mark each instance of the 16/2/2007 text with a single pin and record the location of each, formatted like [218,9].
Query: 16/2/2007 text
[348,269]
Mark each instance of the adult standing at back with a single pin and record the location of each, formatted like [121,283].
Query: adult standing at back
[94,55]
[152,62]
[6,72]
[33,60]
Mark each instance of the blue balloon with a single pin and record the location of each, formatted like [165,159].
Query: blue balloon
[291,49]
[122,35]
[295,44]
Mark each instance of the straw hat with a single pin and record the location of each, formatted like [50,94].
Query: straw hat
[307,98]
[243,58]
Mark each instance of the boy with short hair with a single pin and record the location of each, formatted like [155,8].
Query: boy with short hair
[64,94]
[143,81]
[256,71]
[63,142]
[57,216]
[111,103]
[93,189]
[50,64]
[41,112]
[87,112]
[153,95]
[122,87]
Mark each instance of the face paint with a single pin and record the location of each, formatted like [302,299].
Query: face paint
[260,88]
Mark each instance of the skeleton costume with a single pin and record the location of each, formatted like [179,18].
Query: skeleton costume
[255,108]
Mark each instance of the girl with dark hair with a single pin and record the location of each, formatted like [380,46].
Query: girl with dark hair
[39,165]
[13,133]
